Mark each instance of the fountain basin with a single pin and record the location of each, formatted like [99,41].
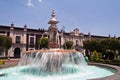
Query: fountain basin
[115,69]
[10,72]
[57,64]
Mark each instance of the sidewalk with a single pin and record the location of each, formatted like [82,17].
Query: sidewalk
[9,63]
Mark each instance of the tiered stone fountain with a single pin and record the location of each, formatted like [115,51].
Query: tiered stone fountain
[53,59]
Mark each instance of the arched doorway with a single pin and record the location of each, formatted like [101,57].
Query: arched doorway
[17,52]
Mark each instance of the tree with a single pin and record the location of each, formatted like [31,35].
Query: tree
[68,45]
[8,42]
[1,43]
[43,42]
[92,45]
[5,43]
[103,46]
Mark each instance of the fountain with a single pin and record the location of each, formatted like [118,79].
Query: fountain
[53,63]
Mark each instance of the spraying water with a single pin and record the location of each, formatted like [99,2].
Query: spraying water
[51,61]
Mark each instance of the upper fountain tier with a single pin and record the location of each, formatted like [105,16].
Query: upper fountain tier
[53,30]
[51,50]
[53,19]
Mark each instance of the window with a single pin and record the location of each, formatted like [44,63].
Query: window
[31,40]
[18,38]
[2,33]
[31,46]
[1,51]
[76,42]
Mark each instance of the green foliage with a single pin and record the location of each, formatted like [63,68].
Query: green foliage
[43,42]
[2,42]
[111,44]
[68,45]
[92,45]
[102,45]
[86,45]
[8,42]
[96,56]
[5,42]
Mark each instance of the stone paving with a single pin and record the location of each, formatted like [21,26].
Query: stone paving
[9,63]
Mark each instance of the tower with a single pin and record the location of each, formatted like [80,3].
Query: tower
[53,30]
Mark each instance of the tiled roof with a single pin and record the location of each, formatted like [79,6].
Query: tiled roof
[21,29]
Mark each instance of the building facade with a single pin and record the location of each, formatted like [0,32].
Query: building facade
[24,39]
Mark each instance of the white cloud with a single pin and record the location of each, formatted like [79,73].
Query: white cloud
[29,3]
[40,0]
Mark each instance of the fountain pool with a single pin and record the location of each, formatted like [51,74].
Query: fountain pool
[53,64]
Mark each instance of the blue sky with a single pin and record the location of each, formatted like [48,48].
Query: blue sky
[99,17]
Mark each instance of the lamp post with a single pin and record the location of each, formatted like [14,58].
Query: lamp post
[60,36]
[72,35]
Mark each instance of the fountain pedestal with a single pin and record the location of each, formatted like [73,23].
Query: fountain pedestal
[53,30]
[53,45]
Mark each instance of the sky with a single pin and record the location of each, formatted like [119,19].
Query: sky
[99,17]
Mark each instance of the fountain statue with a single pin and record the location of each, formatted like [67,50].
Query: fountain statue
[53,31]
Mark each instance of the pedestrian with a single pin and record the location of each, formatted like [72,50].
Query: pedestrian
[86,59]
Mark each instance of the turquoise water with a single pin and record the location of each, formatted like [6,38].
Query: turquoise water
[76,73]
[54,64]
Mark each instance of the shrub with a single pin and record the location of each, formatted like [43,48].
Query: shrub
[102,61]
[68,45]
[96,56]
[108,61]
[2,62]
[43,42]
